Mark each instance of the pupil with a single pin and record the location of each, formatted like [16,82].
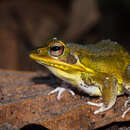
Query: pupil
[55,48]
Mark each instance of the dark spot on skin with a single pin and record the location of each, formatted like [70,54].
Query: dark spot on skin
[106,83]
[81,84]
[114,82]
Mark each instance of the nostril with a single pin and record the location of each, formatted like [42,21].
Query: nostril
[38,51]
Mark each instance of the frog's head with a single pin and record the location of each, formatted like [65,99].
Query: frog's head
[56,54]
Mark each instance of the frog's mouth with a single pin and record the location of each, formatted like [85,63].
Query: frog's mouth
[49,61]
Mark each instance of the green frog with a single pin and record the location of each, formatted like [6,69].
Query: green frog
[101,69]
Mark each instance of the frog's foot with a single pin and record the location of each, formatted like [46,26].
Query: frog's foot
[60,91]
[125,104]
[101,105]
[125,112]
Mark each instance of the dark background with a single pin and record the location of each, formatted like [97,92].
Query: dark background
[27,24]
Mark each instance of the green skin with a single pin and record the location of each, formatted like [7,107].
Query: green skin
[102,69]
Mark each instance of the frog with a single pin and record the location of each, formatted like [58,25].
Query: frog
[101,69]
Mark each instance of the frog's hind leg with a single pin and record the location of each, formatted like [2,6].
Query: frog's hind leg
[125,112]
[126,103]
[127,87]
[109,93]
[102,106]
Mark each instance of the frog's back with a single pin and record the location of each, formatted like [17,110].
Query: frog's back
[106,47]
[102,48]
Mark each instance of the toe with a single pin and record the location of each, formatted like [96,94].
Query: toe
[60,93]
[125,112]
[95,104]
[70,91]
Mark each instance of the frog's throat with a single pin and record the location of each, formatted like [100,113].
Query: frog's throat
[59,64]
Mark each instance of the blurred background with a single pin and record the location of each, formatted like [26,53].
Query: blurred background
[27,24]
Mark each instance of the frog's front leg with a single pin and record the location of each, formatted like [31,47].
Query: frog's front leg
[60,90]
[108,88]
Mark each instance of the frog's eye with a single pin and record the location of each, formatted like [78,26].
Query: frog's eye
[56,50]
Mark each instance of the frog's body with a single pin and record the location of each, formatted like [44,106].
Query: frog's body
[102,69]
